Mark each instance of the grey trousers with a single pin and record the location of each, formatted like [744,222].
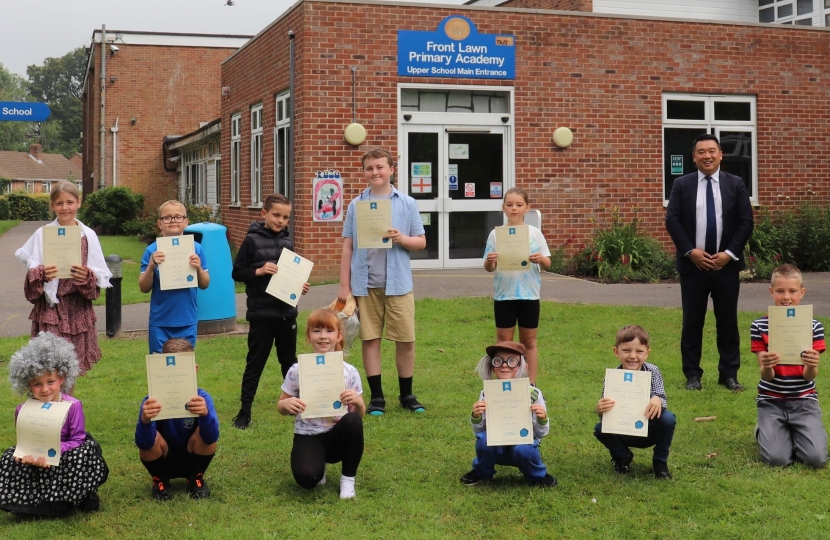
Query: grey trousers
[791,429]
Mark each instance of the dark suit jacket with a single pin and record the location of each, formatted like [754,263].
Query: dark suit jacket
[737,218]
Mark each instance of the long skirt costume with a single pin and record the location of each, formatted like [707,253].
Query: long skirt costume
[55,490]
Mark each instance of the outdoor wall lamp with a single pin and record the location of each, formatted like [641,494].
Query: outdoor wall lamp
[563,137]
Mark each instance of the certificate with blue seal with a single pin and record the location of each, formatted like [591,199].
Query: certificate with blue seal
[513,247]
[62,248]
[292,274]
[321,383]
[374,219]
[175,271]
[171,380]
[509,418]
[790,332]
[39,427]
[631,391]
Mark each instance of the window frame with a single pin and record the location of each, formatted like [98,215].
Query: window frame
[282,135]
[236,157]
[256,155]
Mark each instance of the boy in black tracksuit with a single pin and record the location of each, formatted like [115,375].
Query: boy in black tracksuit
[272,321]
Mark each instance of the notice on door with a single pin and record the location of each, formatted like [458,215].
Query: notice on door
[469,189]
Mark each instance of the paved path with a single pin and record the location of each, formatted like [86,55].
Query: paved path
[14,309]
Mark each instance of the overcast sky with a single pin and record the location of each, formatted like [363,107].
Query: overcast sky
[44,28]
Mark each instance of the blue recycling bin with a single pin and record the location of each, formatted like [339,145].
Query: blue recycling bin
[216,304]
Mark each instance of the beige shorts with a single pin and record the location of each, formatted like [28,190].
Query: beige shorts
[397,313]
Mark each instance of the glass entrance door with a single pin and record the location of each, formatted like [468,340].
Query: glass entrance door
[457,175]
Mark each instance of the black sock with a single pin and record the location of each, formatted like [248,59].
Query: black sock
[375,386]
[405,384]
[156,468]
[200,465]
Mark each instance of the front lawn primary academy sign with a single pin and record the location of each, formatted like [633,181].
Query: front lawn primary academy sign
[456,49]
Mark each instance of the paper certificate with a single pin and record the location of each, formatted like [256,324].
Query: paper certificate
[39,427]
[790,332]
[513,247]
[175,272]
[171,380]
[321,383]
[631,391]
[287,283]
[374,219]
[509,418]
[62,248]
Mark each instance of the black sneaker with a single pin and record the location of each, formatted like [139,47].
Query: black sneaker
[547,481]
[161,489]
[471,478]
[197,488]
[622,465]
[90,503]
[661,470]
[242,419]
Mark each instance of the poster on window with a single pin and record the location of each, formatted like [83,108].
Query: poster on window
[327,190]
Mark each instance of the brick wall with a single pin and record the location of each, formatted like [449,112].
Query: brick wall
[168,90]
[603,77]
[561,5]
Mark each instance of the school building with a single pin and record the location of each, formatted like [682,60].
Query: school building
[587,111]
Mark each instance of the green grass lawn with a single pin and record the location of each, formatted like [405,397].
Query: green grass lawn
[131,249]
[407,484]
[5,225]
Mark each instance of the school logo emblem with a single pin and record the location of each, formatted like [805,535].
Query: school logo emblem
[175,241]
[296,260]
[61,232]
[457,28]
[373,206]
[321,360]
[46,406]
[170,361]
[511,231]
[628,377]
[790,312]
[505,387]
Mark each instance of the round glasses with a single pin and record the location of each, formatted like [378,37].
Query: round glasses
[172,219]
[498,361]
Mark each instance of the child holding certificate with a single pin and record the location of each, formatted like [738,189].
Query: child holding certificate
[64,306]
[172,311]
[43,370]
[516,292]
[318,441]
[632,350]
[790,426]
[272,322]
[381,278]
[506,360]
[178,447]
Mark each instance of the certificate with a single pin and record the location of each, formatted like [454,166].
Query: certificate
[631,391]
[509,418]
[171,380]
[39,427]
[321,383]
[175,272]
[62,248]
[790,332]
[287,283]
[513,247]
[374,219]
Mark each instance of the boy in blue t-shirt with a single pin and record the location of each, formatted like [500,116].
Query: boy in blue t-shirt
[172,312]
[178,447]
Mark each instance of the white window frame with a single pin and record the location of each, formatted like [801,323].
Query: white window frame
[236,156]
[282,127]
[711,124]
[47,186]
[795,18]
[30,187]
[256,155]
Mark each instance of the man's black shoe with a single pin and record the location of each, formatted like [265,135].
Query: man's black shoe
[731,384]
[693,383]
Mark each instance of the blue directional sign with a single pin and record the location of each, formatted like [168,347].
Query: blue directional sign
[24,111]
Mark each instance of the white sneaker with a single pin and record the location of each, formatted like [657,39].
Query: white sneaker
[347,487]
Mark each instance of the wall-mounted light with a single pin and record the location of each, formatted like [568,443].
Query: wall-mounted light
[562,137]
[114,49]
[133,120]
[355,134]
[112,80]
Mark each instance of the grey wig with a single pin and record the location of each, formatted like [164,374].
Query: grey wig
[485,370]
[45,353]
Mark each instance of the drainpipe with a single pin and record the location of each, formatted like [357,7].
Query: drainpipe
[291,188]
[103,132]
[114,130]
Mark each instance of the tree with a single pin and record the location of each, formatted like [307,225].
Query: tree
[12,134]
[59,82]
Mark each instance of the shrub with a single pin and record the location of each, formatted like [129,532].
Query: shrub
[5,212]
[110,209]
[29,206]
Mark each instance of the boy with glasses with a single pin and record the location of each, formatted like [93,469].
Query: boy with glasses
[173,311]
[506,360]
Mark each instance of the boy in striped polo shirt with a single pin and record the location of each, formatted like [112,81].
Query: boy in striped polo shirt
[790,426]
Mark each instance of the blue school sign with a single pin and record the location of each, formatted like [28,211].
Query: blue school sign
[456,49]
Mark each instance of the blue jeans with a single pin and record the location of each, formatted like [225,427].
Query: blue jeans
[524,456]
[660,434]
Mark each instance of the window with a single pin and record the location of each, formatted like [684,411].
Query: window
[463,101]
[30,187]
[282,138]
[47,187]
[236,153]
[730,118]
[798,12]
[256,155]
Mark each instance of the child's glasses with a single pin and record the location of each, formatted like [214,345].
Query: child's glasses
[172,219]
[498,361]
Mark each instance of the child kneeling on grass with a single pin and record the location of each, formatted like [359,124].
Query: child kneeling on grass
[632,351]
[789,416]
[506,360]
[318,441]
[178,447]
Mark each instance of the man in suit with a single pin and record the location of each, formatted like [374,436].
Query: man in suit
[709,218]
